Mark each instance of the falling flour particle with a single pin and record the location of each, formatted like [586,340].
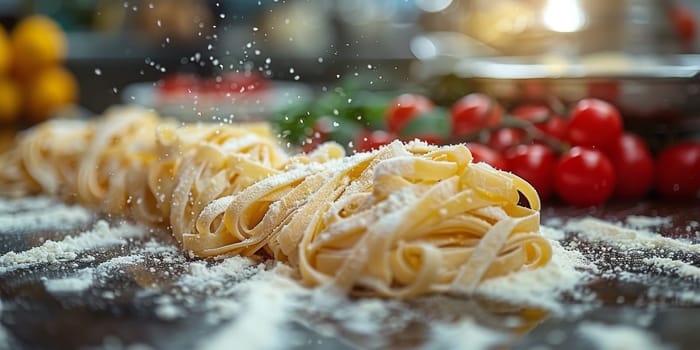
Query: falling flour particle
[615,337]
[101,235]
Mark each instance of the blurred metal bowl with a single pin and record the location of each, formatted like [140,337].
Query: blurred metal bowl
[643,87]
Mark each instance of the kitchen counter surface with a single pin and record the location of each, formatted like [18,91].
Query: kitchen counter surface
[133,298]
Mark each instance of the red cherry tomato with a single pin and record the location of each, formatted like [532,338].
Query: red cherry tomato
[678,170]
[503,138]
[371,140]
[683,21]
[474,112]
[481,153]
[556,127]
[179,84]
[404,108]
[584,176]
[594,123]
[535,164]
[634,166]
[534,113]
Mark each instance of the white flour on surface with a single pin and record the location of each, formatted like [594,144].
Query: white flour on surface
[257,312]
[542,287]
[40,213]
[254,305]
[639,245]
[364,316]
[646,222]
[689,297]
[462,335]
[84,278]
[8,205]
[4,337]
[268,297]
[617,337]
[203,278]
[167,310]
[81,281]
[614,234]
[101,235]
[552,233]
[681,268]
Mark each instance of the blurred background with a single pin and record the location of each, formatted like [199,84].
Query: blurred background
[520,82]
[639,54]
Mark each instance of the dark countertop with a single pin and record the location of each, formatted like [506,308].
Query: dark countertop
[35,318]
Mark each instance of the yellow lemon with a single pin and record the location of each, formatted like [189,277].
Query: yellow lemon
[7,139]
[46,93]
[5,51]
[10,101]
[37,43]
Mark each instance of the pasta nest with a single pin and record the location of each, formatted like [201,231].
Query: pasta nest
[401,221]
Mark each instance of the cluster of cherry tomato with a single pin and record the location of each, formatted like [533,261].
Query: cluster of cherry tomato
[584,156]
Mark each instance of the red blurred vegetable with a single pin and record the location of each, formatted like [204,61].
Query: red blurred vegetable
[482,153]
[678,170]
[594,123]
[584,177]
[371,140]
[404,108]
[503,138]
[634,166]
[474,112]
[535,164]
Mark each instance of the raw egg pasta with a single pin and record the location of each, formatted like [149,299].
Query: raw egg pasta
[405,220]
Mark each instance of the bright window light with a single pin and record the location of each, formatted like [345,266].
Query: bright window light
[563,16]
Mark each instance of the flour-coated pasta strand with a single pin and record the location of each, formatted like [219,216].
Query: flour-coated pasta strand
[401,221]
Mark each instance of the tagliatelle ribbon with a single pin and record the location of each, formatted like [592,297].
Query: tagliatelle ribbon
[405,220]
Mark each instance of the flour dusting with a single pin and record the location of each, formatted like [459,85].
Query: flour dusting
[617,337]
[41,213]
[67,249]
[545,286]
